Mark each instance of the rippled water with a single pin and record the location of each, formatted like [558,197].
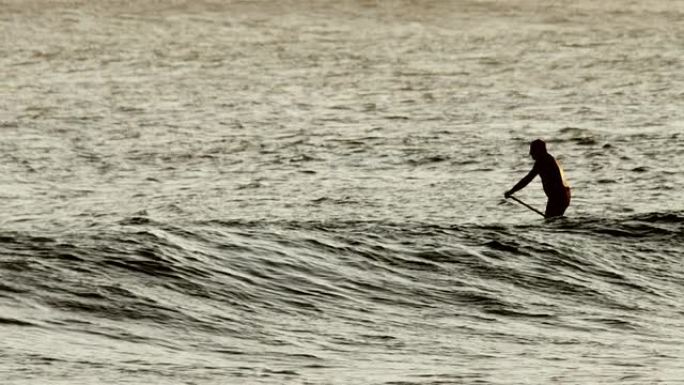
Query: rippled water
[310,192]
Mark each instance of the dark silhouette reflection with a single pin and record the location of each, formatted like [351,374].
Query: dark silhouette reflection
[553,180]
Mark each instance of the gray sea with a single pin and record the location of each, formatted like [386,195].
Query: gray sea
[311,192]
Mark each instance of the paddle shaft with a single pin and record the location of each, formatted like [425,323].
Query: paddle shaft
[528,206]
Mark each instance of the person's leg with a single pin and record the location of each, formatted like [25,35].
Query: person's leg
[554,209]
[557,207]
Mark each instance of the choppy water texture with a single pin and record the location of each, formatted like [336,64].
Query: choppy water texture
[310,192]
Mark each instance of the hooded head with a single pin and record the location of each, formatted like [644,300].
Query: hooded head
[537,149]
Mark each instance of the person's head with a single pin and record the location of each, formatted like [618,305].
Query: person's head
[537,148]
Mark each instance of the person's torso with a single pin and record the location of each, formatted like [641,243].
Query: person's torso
[552,177]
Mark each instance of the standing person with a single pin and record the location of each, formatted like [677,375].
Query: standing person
[552,177]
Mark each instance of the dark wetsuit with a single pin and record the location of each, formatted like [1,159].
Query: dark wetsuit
[553,180]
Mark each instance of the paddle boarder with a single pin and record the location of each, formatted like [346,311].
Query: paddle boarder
[552,177]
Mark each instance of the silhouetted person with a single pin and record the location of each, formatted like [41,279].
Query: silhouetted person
[553,180]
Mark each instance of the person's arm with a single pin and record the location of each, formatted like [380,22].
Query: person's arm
[523,182]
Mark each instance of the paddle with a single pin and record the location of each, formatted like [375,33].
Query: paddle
[526,205]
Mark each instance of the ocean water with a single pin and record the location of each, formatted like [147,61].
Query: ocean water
[311,192]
